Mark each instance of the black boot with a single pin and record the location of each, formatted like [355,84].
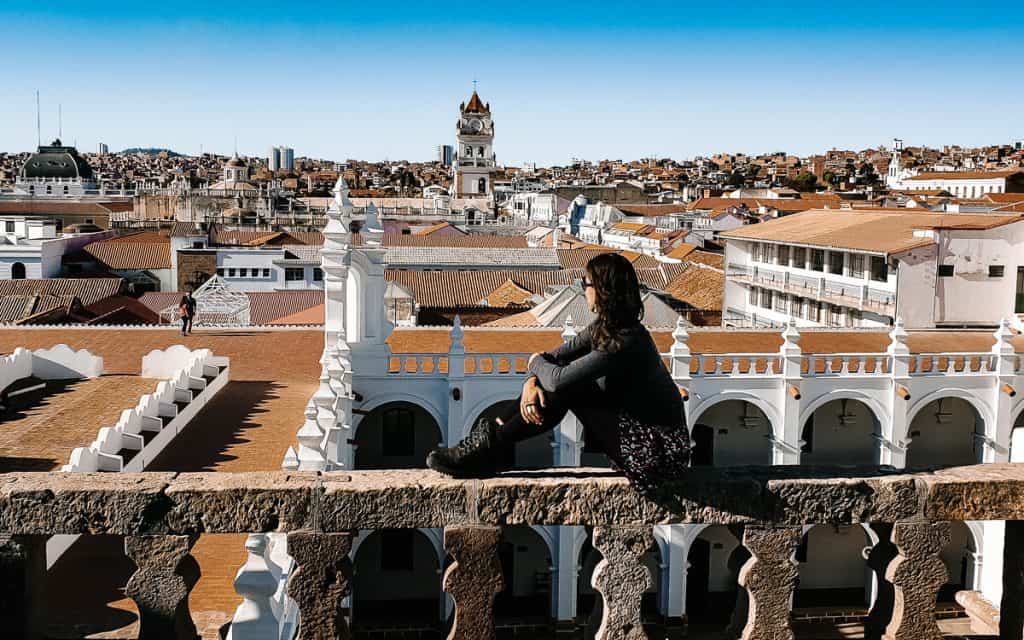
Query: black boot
[477,456]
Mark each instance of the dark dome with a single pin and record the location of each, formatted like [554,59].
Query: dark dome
[56,161]
[236,162]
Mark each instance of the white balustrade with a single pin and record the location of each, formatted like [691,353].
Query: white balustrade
[854,364]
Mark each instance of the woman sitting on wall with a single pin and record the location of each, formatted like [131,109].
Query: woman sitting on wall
[610,376]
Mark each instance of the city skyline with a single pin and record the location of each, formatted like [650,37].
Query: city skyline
[345,81]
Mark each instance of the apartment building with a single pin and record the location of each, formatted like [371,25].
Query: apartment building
[864,268]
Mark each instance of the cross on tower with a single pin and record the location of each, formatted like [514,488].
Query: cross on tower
[474,84]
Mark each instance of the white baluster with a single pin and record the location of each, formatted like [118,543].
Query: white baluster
[255,582]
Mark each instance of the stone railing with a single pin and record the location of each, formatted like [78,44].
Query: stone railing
[162,514]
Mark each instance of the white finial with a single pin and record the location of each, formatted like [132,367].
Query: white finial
[291,460]
[1004,338]
[456,333]
[569,329]
[790,340]
[898,338]
[680,336]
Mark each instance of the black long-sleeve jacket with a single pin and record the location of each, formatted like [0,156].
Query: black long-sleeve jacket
[634,377]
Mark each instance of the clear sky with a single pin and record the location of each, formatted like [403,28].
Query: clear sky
[376,80]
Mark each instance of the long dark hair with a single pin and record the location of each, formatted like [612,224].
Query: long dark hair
[618,300]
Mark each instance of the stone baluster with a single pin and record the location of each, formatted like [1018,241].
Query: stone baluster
[22,571]
[916,574]
[255,582]
[879,558]
[322,578]
[165,574]
[1011,609]
[769,577]
[473,579]
[621,578]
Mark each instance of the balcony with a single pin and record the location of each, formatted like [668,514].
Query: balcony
[161,516]
[863,297]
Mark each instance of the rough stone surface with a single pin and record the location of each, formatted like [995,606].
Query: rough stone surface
[321,580]
[392,499]
[769,577]
[622,578]
[165,575]
[962,493]
[984,615]
[473,579]
[917,573]
[254,502]
[185,504]
[115,503]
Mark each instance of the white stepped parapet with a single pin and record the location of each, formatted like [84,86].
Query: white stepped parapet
[14,367]
[61,362]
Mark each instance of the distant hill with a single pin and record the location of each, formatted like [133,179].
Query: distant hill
[151,151]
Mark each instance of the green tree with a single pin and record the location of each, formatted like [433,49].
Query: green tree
[806,181]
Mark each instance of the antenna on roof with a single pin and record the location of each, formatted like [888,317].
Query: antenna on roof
[39,129]
[60,121]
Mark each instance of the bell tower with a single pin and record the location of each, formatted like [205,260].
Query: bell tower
[474,153]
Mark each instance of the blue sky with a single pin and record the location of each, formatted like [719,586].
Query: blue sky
[595,80]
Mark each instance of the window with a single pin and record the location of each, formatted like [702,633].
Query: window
[813,312]
[197,244]
[291,274]
[266,273]
[318,274]
[945,271]
[396,550]
[220,271]
[835,316]
[9,226]
[231,273]
[852,317]
[835,262]
[398,435]
[17,271]
[780,302]
[996,270]
[879,270]
[783,253]
[799,257]
[752,297]
[817,260]
[243,273]
[856,265]
[766,299]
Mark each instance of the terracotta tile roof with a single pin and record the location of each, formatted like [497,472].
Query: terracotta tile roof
[456,257]
[507,294]
[476,105]
[126,254]
[62,207]
[19,308]
[454,289]
[578,258]
[650,210]
[87,290]
[1004,198]
[965,175]
[472,240]
[236,237]
[266,307]
[681,251]
[311,316]
[630,226]
[709,258]
[142,237]
[877,230]
[1017,207]
[699,286]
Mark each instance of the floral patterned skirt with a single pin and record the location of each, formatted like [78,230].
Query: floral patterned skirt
[650,454]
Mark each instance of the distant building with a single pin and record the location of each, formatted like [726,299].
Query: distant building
[281,159]
[274,159]
[102,149]
[55,171]
[474,158]
[445,154]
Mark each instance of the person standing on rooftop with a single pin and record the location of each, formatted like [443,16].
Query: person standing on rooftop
[610,376]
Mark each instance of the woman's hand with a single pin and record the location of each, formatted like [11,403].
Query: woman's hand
[532,401]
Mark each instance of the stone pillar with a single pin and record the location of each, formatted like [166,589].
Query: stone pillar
[22,571]
[917,573]
[786,446]
[769,577]
[321,580]
[879,559]
[894,435]
[165,574]
[568,575]
[1011,608]
[621,578]
[473,579]
[997,444]
[456,385]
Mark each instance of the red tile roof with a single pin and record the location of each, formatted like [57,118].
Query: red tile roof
[88,290]
[128,254]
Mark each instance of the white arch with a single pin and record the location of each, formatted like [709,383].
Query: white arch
[881,415]
[370,406]
[548,539]
[952,392]
[774,417]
